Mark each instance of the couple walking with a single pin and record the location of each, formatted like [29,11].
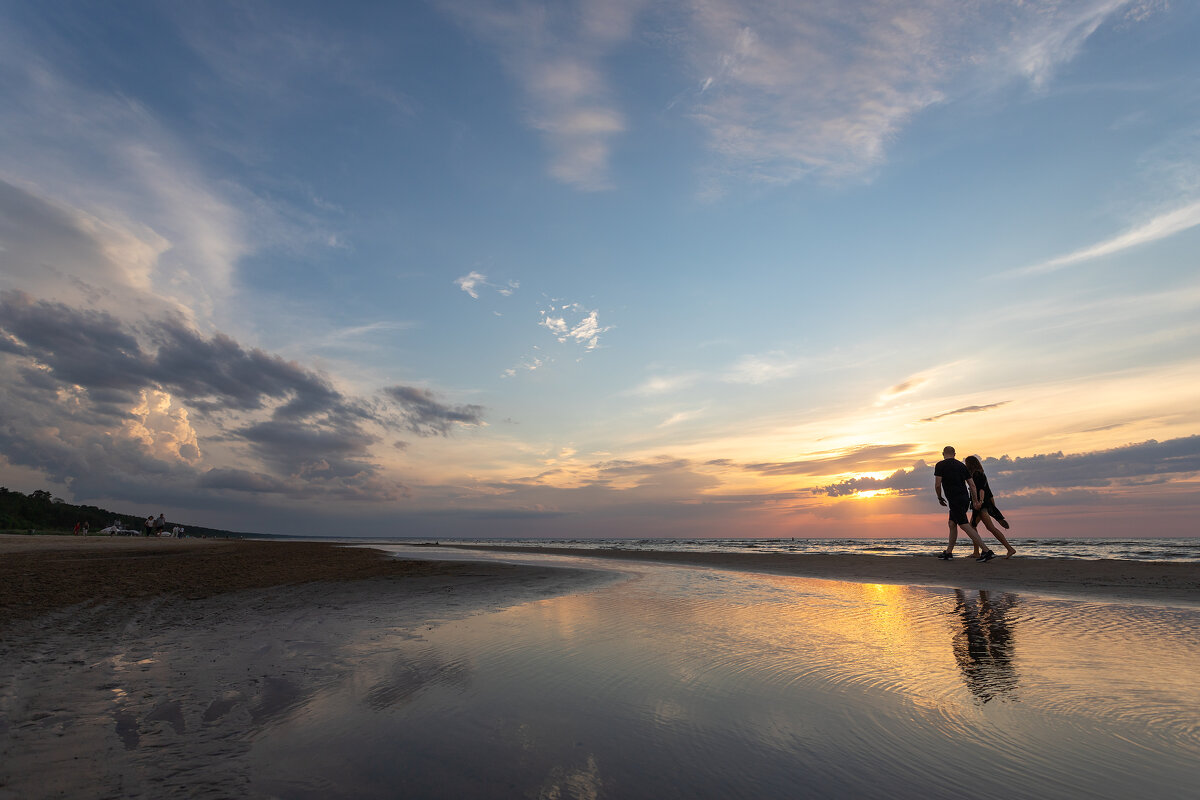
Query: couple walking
[965,486]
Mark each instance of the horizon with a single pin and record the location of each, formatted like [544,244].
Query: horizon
[468,269]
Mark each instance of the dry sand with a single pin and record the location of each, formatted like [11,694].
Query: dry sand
[1143,581]
[42,573]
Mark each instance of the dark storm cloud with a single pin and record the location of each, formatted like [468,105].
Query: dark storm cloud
[311,449]
[425,415]
[858,458]
[229,376]
[240,480]
[100,353]
[72,375]
[1147,462]
[85,348]
[966,410]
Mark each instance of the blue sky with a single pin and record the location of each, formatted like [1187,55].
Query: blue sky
[602,268]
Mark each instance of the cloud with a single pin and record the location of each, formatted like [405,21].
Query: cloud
[117,204]
[790,90]
[100,404]
[758,369]
[1164,225]
[681,416]
[425,415]
[471,282]
[556,53]
[914,383]
[864,458]
[661,384]
[574,323]
[1150,461]
[966,410]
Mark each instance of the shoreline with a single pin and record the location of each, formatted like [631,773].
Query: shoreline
[1158,582]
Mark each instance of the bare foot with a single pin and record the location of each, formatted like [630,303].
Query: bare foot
[1012,551]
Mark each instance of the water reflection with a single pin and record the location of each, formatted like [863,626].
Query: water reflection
[984,647]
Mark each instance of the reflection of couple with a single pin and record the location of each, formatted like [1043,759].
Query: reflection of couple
[966,486]
[983,647]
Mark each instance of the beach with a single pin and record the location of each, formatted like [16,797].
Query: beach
[194,668]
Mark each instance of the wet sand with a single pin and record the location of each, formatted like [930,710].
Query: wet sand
[1148,581]
[138,668]
[147,668]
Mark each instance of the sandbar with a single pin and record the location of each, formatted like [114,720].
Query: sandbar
[1142,581]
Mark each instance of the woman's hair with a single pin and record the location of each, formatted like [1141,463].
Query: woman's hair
[973,464]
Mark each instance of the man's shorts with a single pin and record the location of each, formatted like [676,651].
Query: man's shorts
[958,509]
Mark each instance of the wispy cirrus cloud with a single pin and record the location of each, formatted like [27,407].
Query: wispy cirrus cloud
[788,90]
[1160,227]
[556,54]
[862,458]
[966,410]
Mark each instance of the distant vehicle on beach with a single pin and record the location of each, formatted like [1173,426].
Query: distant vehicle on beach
[117,530]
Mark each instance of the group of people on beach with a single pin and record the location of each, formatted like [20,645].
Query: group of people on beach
[154,527]
[962,486]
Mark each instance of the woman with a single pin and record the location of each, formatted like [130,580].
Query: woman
[987,510]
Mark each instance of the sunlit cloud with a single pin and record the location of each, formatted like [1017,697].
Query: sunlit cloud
[916,383]
[681,416]
[571,322]
[966,410]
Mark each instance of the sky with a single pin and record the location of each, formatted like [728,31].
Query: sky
[602,268]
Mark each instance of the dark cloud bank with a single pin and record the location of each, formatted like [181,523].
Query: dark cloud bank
[71,376]
[1146,462]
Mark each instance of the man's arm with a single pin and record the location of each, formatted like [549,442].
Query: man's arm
[975,501]
[937,487]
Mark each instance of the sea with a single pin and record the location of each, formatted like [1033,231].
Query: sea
[1132,549]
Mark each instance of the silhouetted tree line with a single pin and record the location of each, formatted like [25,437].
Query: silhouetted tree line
[40,511]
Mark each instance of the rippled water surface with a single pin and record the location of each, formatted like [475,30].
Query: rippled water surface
[693,683]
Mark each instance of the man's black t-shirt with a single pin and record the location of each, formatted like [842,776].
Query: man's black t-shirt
[954,477]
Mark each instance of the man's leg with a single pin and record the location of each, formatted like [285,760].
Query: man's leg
[953,536]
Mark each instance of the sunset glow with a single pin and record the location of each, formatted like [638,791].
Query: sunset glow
[602,269]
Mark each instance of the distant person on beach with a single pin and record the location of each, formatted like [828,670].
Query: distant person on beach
[986,511]
[159,525]
[149,525]
[952,477]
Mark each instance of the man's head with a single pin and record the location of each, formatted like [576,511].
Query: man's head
[947,452]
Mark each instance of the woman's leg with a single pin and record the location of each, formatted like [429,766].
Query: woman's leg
[991,526]
[975,517]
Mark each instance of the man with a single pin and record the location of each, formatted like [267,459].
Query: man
[952,477]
